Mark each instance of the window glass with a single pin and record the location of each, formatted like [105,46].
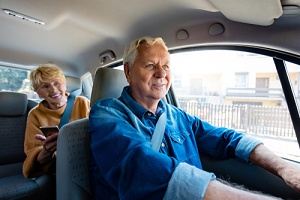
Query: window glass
[241,79]
[16,80]
[237,90]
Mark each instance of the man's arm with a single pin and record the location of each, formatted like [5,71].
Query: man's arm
[217,190]
[266,159]
[189,182]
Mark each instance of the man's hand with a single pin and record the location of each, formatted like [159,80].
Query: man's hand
[291,175]
[266,159]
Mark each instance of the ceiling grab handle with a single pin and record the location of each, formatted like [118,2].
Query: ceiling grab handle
[105,55]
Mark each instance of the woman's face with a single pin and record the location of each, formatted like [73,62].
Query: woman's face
[53,91]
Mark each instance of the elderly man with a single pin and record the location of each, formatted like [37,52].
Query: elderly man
[125,166]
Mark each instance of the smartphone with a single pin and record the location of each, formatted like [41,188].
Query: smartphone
[49,130]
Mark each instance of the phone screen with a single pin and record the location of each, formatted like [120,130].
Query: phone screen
[49,130]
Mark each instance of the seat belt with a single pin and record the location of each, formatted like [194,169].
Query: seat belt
[67,113]
[158,133]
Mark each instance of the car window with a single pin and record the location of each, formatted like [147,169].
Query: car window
[16,80]
[239,90]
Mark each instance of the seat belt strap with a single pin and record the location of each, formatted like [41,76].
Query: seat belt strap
[158,133]
[67,113]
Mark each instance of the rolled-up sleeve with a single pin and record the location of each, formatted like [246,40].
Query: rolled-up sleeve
[188,182]
[245,147]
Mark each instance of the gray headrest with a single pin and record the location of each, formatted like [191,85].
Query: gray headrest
[108,82]
[13,104]
[73,83]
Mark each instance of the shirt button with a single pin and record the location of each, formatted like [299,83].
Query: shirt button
[163,145]
[149,114]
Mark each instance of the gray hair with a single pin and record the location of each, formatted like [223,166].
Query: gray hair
[131,52]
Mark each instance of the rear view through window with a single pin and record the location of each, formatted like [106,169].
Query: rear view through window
[238,90]
[16,80]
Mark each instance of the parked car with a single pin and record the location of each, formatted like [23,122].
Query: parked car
[235,64]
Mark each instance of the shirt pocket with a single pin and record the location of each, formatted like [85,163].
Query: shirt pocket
[179,138]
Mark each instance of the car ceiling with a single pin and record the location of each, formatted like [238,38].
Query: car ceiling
[76,31]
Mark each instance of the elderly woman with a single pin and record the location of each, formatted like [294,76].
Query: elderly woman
[49,82]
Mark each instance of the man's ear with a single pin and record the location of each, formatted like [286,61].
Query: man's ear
[126,71]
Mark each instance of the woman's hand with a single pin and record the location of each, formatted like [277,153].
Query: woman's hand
[49,147]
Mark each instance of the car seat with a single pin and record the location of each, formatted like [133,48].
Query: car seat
[73,148]
[74,85]
[14,108]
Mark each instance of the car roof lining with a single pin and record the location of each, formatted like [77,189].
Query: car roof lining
[75,34]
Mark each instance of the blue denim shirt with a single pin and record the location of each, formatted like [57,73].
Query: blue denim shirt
[124,165]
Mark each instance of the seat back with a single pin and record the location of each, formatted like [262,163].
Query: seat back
[13,116]
[72,163]
[73,148]
[74,85]
[14,108]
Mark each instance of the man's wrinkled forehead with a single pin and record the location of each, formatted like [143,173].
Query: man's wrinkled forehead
[145,47]
[147,51]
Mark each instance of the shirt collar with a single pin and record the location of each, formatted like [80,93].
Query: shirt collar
[136,108]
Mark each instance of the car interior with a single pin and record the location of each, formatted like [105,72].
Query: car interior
[86,39]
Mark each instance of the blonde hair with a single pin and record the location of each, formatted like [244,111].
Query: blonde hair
[45,72]
[131,51]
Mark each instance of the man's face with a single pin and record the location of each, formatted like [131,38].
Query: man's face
[150,75]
